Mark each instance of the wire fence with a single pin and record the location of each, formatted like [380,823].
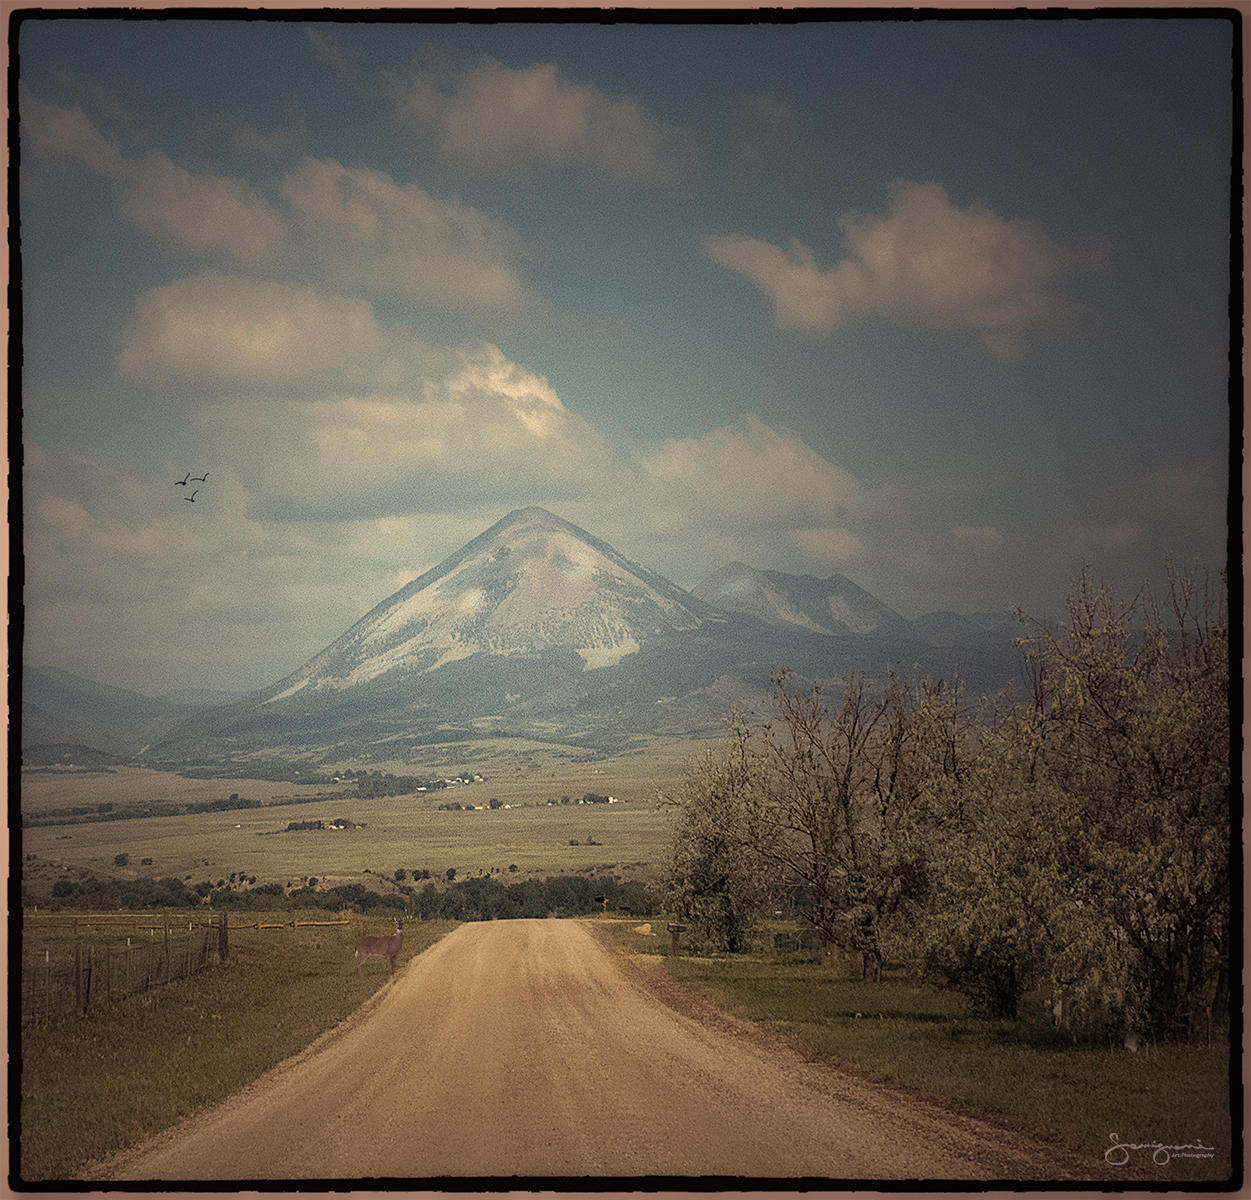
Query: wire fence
[100,975]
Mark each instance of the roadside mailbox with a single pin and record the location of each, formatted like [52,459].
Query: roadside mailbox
[677,931]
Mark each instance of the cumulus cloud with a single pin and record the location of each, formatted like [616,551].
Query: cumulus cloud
[1192,498]
[1176,511]
[204,213]
[767,135]
[329,51]
[230,329]
[755,479]
[273,143]
[769,113]
[752,469]
[53,132]
[531,399]
[925,263]
[368,231]
[359,227]
[467,422]
[497,119]
[97,535]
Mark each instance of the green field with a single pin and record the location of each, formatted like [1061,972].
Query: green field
[408,832]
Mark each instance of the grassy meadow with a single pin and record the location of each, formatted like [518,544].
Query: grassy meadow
[409,832]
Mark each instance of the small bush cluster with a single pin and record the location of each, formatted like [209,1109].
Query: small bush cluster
[92,892]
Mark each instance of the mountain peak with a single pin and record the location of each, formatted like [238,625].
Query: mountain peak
[530,585]
[531,515]
[538,629]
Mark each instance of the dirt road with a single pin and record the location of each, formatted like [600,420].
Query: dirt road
[531,1048]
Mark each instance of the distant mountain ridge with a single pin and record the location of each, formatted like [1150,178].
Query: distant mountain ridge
[538,629]
[63,709]
[834,605]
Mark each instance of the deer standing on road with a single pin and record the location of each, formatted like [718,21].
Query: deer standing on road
[383,947]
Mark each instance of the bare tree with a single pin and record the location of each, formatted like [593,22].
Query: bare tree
[842,796]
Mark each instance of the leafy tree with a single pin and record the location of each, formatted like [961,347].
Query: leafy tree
[999,906]
[428,900]
[1083,842]
[1136,752]
[718,875]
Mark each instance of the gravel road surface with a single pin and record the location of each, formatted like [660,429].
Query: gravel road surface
[535,1049]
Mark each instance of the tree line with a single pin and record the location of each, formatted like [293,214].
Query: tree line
[481,898]
[1073,835]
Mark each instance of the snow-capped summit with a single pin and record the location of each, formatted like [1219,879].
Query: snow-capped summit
[530,584]
[537,629]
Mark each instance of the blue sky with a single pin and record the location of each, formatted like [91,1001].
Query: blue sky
[938,305]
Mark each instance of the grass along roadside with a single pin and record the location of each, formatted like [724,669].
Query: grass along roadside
[94,1085]
[1021,1074]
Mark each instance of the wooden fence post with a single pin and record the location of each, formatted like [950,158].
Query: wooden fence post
[223,936]
[165,924]
[78,978]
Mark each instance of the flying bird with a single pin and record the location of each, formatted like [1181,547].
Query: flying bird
[183,481]
[200,478]
[191,499]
